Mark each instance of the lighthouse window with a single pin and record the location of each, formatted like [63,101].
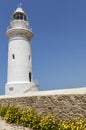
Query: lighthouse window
[19,16]
[11,88]
[29,58]
[30,77]
[24,17]
[13,56]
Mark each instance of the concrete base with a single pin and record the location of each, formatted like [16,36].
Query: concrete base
[35,92]
[20,88]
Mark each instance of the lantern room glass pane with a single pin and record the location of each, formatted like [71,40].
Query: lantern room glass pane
[19,16]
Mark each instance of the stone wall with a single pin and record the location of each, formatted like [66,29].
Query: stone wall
[63,106]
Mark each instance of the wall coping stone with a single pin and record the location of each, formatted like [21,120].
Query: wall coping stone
[74,91]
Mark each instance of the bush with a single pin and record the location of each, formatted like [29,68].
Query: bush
[30,119]
[13,115]
[48,123]
[72,124]
[3,110]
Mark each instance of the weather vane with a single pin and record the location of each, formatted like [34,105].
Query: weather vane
[20,5]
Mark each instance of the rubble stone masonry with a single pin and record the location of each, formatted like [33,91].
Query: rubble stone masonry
[63,106]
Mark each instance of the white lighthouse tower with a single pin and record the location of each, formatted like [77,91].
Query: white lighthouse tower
[19,75]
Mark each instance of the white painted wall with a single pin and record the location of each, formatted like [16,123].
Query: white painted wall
[19,68]
[74,91]
[20,88]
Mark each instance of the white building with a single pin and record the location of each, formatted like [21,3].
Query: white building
[19,75]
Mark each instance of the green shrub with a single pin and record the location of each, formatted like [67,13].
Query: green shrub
[13,115]
[3,110]
[30,119]
[48,123]
[72,124]
[36,122]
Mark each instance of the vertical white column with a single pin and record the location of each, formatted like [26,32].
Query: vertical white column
[19,79]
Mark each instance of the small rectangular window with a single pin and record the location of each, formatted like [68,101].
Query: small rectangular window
[30,77]
[13,56]
[11,88]
[29,58]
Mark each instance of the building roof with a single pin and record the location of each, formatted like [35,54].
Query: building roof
[19,9]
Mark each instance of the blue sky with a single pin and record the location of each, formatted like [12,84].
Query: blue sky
[58,45]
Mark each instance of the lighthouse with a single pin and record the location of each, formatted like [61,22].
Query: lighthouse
[19,73]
